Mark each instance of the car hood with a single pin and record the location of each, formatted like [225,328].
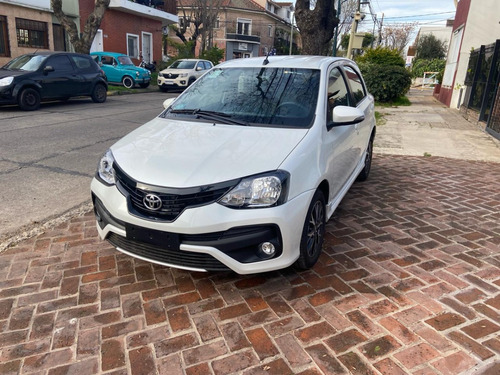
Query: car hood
[12,73]
[176,153]
[176,71]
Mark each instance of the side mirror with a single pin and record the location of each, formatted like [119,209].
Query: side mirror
[48,69]
[343,115]
[168,102]
[199,68]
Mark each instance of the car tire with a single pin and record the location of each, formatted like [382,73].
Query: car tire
[191,81]
[313,233]
[365,172]
[99,94]
[143,85]
[29,99]
[163,89]
[128,82]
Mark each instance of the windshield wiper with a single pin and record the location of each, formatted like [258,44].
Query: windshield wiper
[211,115]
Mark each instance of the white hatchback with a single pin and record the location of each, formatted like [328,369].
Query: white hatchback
[243,169]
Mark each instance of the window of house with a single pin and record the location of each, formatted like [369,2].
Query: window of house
[217,23]
[244,26]
[357,88]
[270,30]
[31,33]
[133,46]
[4,37]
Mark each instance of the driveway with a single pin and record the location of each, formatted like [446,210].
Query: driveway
[409,283]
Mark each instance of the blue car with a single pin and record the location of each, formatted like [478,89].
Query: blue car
[120,69]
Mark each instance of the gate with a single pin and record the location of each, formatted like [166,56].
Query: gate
[482,81]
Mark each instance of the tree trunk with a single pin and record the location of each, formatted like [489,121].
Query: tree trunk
[316,25]
[81,43]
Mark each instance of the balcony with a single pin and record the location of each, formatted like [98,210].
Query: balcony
[243,38]
[145,8]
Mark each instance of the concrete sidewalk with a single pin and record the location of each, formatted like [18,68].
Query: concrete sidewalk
[409,283]
[429,128]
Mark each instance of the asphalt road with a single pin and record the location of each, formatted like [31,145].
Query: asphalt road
[48,157]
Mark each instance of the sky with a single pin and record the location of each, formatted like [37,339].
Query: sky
[425,12]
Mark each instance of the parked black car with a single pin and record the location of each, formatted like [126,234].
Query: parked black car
[31,78]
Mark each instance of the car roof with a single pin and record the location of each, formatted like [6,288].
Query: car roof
[193,60]
[116,54]
[51,53]
[307,62]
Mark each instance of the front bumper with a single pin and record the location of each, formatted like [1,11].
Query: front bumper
[6,96]
[206,238]
[173,83]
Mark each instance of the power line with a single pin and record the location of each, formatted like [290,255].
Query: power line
[420,15]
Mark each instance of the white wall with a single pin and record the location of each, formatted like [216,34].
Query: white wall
[42,4]
[482,28]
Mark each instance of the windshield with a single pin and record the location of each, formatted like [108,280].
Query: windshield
[125,60]
[255,96]
[182,64]
[26,62]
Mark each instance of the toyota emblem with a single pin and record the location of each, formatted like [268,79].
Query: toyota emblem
[152,202]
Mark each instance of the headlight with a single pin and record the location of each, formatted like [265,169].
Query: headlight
[265,190]
[183,75]
[105,168]
[6,81]
[137,74]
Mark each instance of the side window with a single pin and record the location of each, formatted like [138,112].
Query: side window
[60,63]
[356,83]
[82,62]
[337,92]
[107,60]
[200,65]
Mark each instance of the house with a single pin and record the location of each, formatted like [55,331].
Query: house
[471,79]
[29,25]
[244,28]
[131,27]
[134,28]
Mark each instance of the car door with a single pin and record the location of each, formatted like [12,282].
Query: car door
[364,102]
[59,77]
[86,72]
[199,69]
[110,68]
[339,152]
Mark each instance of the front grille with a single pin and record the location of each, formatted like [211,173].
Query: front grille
[173,257]
[170,75]
[174,200]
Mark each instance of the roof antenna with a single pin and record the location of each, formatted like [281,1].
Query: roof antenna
[266,60]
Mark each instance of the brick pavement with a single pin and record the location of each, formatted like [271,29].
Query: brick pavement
[409,283]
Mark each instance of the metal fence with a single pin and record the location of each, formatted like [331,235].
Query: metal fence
[482,79]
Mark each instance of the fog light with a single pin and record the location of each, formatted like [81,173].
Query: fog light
[267,249]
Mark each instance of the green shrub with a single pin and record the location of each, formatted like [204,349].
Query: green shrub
[420,66]
[214,54]
[381,56]
[386,83]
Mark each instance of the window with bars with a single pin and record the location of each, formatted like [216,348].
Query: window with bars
[4,38]
[31,33]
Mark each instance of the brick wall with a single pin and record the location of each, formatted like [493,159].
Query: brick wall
[115,26]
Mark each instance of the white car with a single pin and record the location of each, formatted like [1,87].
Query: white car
[243,169]
[182,73]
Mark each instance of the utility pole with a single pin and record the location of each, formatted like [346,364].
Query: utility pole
[354,29]
[380,31]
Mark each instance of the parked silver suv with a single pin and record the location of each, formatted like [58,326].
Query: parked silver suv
[182,73]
